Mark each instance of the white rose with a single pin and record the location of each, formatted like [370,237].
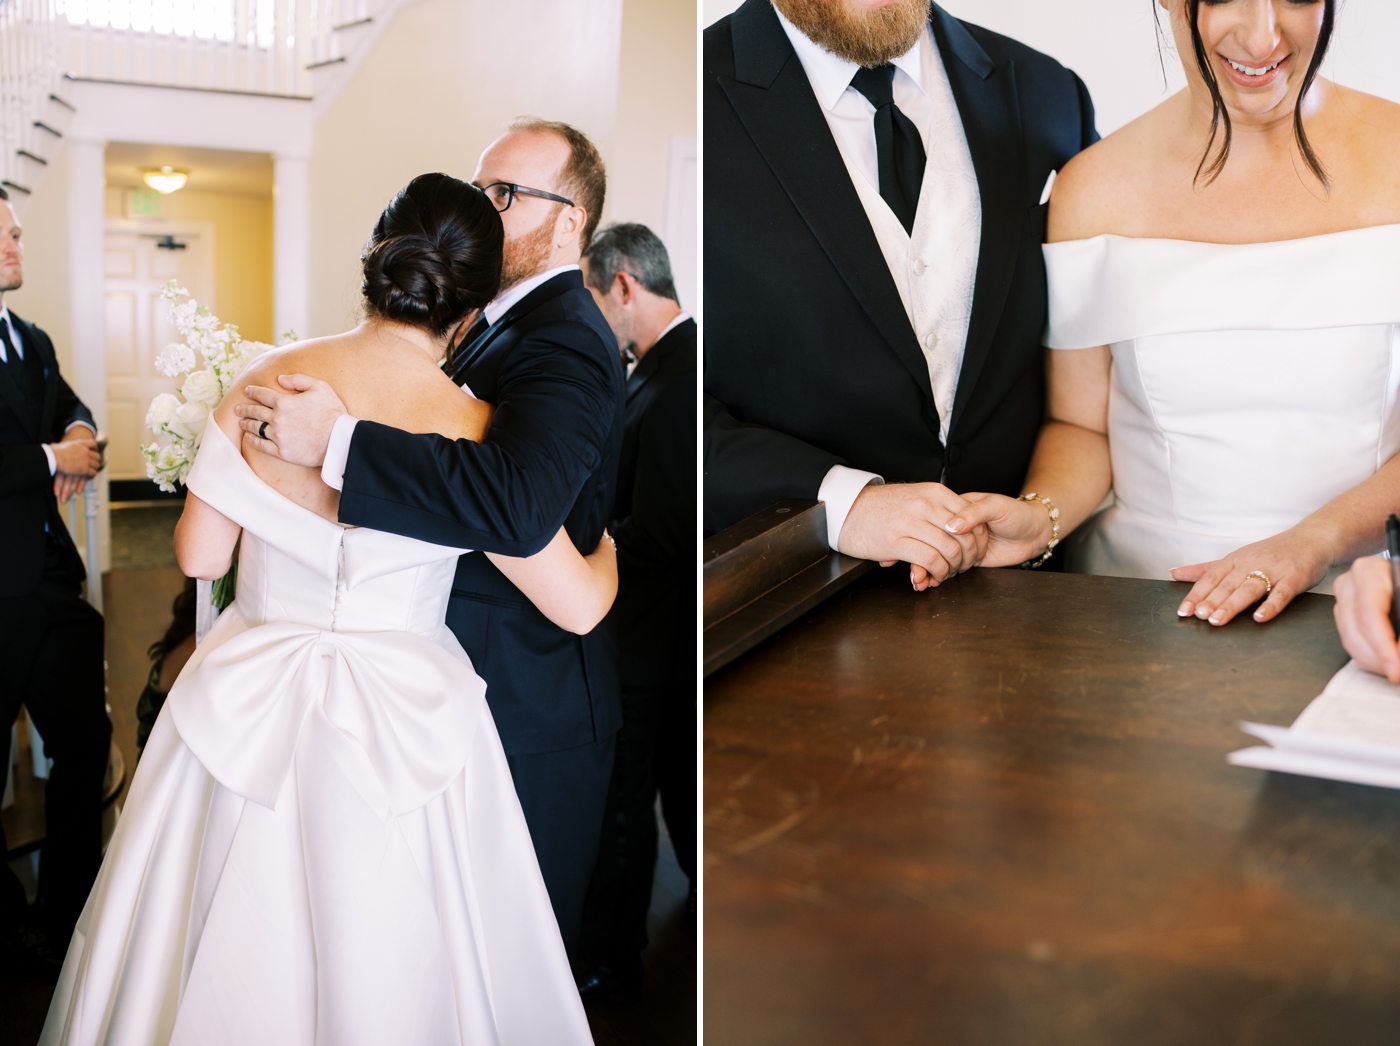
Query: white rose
[162,410]
[189,420]
[202,387]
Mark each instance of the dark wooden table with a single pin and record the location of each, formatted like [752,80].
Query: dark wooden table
[1000,813]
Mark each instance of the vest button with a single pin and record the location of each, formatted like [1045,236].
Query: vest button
[930,340]
[919,266]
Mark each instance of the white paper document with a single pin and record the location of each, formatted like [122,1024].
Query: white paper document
[1350,732]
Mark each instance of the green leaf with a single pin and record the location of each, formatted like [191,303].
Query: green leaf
[226,588]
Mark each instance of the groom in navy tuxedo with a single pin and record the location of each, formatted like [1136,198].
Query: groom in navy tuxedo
[545,356]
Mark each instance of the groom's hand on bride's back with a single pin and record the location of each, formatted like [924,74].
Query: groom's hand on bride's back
[906,523]
[299,417]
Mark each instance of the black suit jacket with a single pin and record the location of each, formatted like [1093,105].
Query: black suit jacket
[810,360]
[552,368]
[654,519]
[27,502]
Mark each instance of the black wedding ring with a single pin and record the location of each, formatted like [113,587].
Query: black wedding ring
[262,431]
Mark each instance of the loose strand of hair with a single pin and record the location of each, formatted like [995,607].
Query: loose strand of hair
[1324,41]
[1219,114]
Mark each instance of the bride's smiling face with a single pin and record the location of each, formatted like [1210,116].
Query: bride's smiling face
[1259,50]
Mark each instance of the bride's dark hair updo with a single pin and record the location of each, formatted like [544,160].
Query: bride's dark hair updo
[1220,118]
[434,255]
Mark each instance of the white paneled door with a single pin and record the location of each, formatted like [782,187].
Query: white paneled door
[141,258]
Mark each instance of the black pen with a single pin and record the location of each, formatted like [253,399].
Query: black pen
[1392,538]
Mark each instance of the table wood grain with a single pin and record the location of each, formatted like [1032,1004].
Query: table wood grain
[1000,813]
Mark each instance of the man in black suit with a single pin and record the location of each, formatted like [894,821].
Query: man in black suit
[544,355]
[875,187]
[653,521]
[50,639]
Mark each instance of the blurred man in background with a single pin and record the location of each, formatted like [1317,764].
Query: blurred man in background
[654,523]
[50,639]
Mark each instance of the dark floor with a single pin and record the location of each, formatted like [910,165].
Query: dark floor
[138,594]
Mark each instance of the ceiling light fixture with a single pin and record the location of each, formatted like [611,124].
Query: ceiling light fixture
[165,180]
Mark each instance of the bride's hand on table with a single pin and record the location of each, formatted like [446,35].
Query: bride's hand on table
[1293,562]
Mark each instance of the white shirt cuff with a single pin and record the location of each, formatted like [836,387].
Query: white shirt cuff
[840,488]
[53,461]
[338,452]
[74,424]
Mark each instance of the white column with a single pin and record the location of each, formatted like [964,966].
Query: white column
[290,246]
[87,301]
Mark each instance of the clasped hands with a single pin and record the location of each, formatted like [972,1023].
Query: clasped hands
[76,459]
[940,534]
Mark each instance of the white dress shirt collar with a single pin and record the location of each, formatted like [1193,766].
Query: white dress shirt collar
[500,305]
[681,317]
[831,74]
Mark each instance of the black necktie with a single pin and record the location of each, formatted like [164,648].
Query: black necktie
[899,151]
[15,365]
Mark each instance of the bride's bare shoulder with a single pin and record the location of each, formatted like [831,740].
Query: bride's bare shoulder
[1105,189]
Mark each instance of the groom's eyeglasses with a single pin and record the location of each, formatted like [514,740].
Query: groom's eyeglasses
[503,194]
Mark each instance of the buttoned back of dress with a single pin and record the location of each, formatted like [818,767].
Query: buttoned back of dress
[347,621]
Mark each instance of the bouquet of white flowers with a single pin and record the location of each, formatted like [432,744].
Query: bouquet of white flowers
[179,424]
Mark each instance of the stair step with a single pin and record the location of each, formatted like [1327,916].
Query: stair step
[16,186]
[328,61]
[351,25]
[30,156]
[66,104]
[45,127]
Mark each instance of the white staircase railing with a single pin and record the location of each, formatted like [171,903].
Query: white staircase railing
[31,112]
[255,46]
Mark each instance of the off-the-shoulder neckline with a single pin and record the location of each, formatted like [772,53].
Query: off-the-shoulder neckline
[1105,236]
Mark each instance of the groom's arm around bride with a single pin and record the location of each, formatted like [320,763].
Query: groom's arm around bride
[548,361]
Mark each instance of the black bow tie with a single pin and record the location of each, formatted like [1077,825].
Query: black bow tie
[899,150]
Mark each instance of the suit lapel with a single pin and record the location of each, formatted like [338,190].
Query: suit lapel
[774,101]
[549,289]
[986,97]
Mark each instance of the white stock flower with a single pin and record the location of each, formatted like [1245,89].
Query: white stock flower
[174,359]
[202,386]
[162,410]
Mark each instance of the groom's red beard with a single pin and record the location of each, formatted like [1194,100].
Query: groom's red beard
[528,255]
[868,38]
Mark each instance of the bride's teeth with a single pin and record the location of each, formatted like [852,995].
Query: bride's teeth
[1252,72]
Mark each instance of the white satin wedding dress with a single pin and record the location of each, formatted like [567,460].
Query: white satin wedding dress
[322,844]
[1251,384]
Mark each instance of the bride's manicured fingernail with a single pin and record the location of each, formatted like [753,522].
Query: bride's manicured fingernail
[1259,615]
[954,526]
[1184,610]
[1216,618]
[1203,612]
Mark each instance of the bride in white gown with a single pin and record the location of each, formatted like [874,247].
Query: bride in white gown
[1227,270]
[322,843]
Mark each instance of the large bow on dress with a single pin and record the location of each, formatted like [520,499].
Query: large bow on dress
[404,709]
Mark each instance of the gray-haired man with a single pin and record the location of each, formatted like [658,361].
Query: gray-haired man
[653,521]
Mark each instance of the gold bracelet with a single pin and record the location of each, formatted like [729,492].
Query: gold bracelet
[1032,564]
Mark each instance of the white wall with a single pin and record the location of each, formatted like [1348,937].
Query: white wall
[1112,44]
[434,92]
